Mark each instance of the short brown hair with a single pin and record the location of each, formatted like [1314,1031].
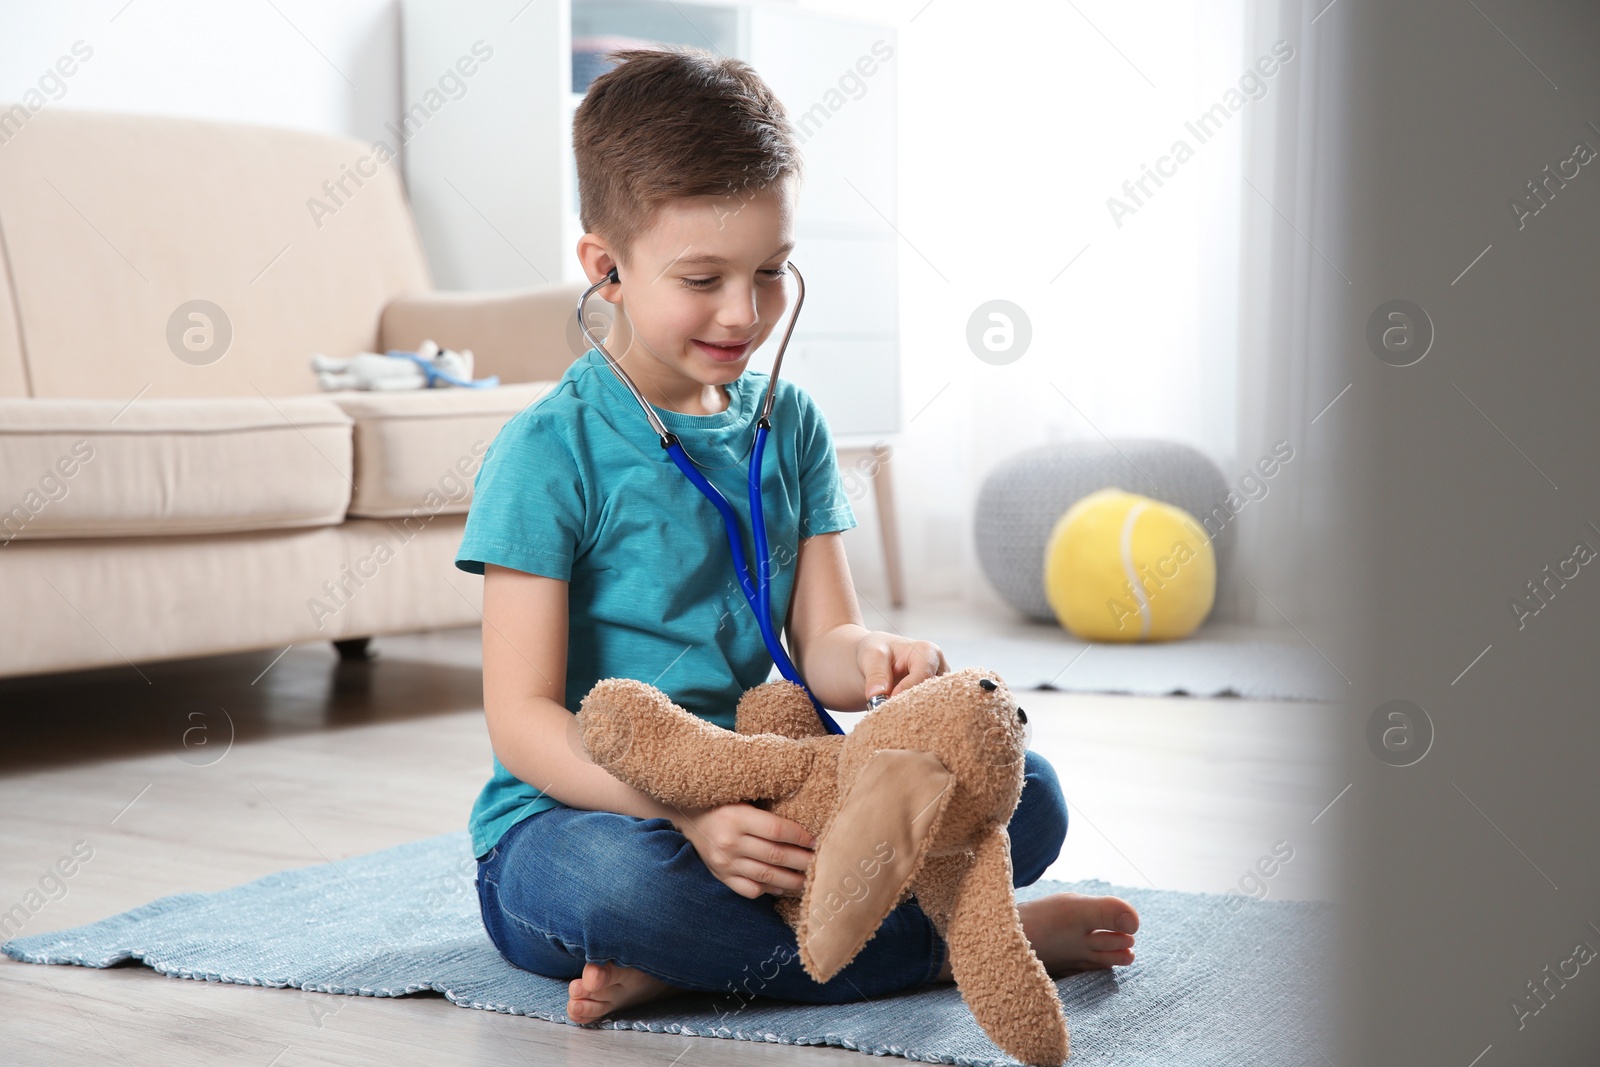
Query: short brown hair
[674,122]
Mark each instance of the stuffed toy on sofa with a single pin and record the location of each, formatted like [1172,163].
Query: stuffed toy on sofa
[914,801]
[429,367]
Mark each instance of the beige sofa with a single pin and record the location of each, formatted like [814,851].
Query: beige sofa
[169,490]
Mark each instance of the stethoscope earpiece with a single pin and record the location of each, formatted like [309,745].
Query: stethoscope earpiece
[611,276]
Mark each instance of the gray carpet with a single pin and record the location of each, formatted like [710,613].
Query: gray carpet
[1220,659]
[1212,984]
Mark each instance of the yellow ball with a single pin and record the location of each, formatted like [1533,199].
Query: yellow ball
[1122,567]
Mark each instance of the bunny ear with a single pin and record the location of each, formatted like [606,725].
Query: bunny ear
[869,854]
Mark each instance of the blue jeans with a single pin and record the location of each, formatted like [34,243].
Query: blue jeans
[569,886]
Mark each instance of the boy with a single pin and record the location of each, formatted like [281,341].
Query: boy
[584,529]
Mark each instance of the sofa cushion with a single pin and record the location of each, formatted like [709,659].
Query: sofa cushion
[100,468]
[417,452]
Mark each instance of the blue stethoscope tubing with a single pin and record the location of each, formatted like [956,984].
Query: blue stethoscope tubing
[757,594]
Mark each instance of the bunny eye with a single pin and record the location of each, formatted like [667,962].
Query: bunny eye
[987,685]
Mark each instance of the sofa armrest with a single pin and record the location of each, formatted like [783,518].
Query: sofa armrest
[523,335]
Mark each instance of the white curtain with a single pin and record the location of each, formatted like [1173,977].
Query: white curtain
[1285,391]
[1019,124]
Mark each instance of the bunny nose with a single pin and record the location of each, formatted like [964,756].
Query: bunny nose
[1022,715]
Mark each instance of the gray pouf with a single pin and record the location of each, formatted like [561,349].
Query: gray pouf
[1022,498]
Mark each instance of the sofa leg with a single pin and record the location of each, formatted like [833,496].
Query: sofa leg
[354,649]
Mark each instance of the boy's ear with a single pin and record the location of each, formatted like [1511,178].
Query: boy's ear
[599,263]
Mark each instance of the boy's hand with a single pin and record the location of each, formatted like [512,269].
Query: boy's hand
[891,663]
[750,850]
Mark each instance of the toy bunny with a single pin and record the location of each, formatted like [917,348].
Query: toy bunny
[915,800]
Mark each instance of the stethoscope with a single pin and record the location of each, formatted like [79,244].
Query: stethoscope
[758,594]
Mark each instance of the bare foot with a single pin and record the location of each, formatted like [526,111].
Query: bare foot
[607,987]
[1070,932]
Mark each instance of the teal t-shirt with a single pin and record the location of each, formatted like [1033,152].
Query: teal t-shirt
[576,486]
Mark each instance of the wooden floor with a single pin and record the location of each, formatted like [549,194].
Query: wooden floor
[213,773]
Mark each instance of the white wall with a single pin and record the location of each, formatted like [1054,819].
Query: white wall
[304,64]
[1017,121]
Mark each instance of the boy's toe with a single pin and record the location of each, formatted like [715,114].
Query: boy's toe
[1108,941]
[1108,913]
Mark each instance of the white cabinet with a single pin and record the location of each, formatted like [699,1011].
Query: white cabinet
[494,188]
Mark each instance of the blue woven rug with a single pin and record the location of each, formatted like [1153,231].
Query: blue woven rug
[1218,979]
